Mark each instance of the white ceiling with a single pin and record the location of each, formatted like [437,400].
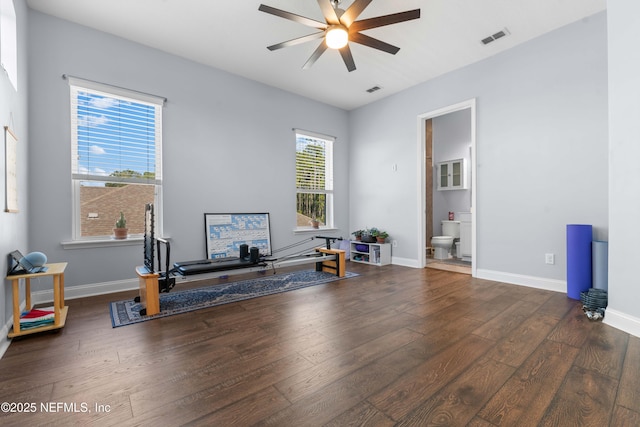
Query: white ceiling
[233,35]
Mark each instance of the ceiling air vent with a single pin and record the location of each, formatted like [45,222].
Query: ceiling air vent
[495,36]
[487,40]
[373,89]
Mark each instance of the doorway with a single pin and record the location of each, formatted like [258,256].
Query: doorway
[426,165]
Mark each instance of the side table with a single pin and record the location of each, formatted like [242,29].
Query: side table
[56,271]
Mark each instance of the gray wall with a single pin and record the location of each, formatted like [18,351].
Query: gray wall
[541,151]
[13,113]
[624,173]
[228,145]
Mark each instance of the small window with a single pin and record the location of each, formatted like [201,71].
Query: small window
[116,157]
[314,181]
[9,41]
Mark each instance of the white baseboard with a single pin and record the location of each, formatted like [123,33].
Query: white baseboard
[622,321]
[4,345]
[613,318]
[520,279]
[405,262]
[82,291]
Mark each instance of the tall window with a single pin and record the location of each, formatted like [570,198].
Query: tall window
[116,139]
[9,41]
[314,180]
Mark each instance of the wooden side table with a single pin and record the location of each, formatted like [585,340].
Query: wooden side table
[56,270]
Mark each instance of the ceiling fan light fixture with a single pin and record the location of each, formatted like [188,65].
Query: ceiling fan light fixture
[337,37]
[341,27]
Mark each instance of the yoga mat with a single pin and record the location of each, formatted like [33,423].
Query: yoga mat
[600,261]
[579,238]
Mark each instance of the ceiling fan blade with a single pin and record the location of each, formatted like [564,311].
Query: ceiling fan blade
[345,52]
[293,17]
[296,41]
[374,43]
[353,12]
[381,21]
[329,12]
[315,55]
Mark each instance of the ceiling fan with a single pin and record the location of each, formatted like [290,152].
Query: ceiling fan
[341,28]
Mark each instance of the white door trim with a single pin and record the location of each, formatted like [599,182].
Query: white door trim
[422,118]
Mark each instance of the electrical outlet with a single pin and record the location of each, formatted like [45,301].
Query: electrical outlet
[549,259]
[394,243]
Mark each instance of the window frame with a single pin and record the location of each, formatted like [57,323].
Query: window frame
[329,190]
[9,41]
[77,85]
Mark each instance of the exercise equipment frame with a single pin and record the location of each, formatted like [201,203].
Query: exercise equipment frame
[151,284]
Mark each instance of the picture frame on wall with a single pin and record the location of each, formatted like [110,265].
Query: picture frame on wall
[225,232]
[10,171]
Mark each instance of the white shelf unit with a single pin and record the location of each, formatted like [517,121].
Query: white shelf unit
[374,254]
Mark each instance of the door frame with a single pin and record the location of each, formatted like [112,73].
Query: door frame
[422,192]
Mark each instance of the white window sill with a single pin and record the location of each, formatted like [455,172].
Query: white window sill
[102,243]
[314,230]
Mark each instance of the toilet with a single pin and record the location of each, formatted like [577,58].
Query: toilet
[442,244]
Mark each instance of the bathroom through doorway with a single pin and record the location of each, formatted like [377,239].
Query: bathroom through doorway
[462,117]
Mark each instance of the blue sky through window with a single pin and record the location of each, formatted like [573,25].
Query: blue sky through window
[114,134]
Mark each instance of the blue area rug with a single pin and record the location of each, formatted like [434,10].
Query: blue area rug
[127,312]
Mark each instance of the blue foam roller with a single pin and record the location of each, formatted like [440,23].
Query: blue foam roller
[579,272]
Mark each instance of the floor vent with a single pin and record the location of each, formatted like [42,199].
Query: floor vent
[495,36]
[373,89]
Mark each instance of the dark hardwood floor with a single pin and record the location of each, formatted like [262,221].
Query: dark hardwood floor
[394,346]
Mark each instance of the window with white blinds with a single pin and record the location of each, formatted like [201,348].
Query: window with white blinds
[9,41]
[116,140]
[314,180]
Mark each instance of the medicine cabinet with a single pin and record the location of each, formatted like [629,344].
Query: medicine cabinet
[451,175]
